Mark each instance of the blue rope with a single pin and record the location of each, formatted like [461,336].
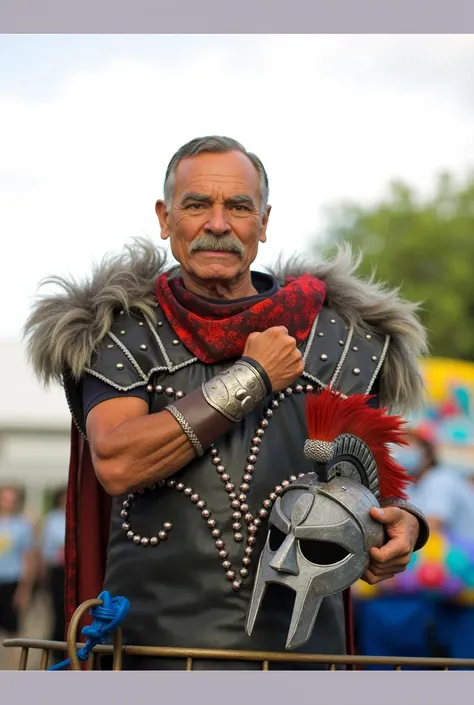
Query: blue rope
[107,617]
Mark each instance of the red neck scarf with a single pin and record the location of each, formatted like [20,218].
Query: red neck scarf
[217,331]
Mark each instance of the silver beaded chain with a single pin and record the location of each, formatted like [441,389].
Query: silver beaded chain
[238,501]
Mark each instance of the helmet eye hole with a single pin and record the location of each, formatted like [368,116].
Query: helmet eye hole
[322,552]
[276,538]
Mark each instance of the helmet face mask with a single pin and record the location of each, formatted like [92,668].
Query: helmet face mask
[317,545]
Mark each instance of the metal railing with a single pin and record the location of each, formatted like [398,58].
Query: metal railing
[117,650]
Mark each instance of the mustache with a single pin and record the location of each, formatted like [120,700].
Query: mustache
[214,243]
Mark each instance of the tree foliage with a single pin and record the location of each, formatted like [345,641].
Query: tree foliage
[425,247]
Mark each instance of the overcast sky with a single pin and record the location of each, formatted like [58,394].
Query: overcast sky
[88,125]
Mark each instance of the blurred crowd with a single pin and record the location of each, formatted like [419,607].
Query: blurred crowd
[31,566]
[427,611]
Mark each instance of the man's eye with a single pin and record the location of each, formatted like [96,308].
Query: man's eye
[241,208]
[195,206]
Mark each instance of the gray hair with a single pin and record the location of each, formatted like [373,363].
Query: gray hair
[214,145]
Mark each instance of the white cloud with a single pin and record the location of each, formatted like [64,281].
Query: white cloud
[331,117]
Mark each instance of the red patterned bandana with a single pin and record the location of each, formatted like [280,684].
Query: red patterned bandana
[215,332]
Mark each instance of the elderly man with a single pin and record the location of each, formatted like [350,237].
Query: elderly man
[188,388]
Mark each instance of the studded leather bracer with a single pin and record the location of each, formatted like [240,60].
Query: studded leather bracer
[424,532]
[211,410]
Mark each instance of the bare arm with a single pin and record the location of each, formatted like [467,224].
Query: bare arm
[131,448]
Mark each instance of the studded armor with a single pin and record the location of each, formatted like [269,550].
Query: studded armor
[185,551]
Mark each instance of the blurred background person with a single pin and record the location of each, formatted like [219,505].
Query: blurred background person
[52,562]
[445,495]
[17,564]
[415,624]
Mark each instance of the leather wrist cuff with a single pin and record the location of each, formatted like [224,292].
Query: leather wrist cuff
[424,532]
[258,367]
[207,423]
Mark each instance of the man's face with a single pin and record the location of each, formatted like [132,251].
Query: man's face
[8,500]
[215,221]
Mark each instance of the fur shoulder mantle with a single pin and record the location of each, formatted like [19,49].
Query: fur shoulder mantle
[64,328]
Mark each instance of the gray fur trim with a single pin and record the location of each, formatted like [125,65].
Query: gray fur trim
[64,329]
[367,305]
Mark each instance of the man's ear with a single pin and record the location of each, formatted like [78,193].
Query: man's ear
[161,211]
[263,229]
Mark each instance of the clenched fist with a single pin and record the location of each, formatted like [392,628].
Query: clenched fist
[277,353]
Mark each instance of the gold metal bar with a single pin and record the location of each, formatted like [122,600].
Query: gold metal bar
[23,659]
[73,630]
[332,667]
[44,659]
[91,662]
[174,652]
[118,650]
[189,664]
[265,666]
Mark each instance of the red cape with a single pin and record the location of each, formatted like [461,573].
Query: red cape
[87,533]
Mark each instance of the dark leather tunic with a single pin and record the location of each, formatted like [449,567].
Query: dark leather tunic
[180,592]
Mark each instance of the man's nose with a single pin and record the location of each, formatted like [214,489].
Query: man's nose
[217,223]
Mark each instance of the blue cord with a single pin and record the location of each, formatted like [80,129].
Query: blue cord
[107,617]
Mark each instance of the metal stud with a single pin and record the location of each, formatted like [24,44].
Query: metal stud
[321,334]
[159,389]
[110,346]
[368,336]
[175,342]
[143,347]
[119,366]
[122,332]
[356,371]
[374,358]
[149,388]
[160,323]
[341,342]
[333,320]
[355,348]
[323,357]
[141,324]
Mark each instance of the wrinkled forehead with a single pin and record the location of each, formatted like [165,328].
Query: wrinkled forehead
[229,173]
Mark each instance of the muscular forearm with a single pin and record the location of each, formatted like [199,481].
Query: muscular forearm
[144,450]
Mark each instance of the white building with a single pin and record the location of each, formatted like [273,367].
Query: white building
[34,428]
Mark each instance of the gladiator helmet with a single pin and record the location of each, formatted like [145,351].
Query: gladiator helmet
[320,528]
